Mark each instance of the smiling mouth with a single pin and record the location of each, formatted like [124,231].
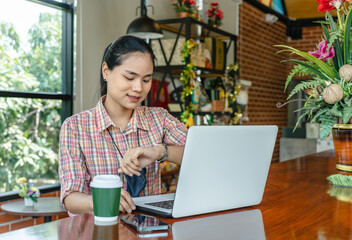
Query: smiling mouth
[133,98]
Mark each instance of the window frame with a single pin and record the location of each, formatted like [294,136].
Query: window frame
[67,80]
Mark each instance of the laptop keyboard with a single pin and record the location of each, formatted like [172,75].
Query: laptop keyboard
[163,204]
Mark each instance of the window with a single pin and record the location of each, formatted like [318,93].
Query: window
[36,88]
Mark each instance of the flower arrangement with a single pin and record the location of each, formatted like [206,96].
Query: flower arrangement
[184,6]
[26,189]
[215,15]
[329,92]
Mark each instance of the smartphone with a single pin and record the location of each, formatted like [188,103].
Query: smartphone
[144,223]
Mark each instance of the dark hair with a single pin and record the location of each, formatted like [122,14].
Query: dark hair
[116,52]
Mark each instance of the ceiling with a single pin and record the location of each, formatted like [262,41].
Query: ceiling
[298,9]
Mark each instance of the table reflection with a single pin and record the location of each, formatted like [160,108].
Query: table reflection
[78,227]
[83,227]
[238,225]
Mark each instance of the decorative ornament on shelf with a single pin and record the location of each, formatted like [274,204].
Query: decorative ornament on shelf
[184,8]
[233,87]
[329,90]
[215,15]
[27,191]
[186,77]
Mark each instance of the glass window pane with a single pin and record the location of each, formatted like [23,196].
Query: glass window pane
[29,141]
[30,47]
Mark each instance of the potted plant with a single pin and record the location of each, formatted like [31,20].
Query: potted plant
[184,8]
[329,90]
[215,15]
[27,191]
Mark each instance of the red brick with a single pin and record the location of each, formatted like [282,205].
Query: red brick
[8,218]
[39,220]
[23,224]
[63,216]
[4,229]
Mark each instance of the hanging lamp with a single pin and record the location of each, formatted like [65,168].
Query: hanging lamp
[144,27]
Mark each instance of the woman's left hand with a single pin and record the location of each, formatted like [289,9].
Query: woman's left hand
[135,159]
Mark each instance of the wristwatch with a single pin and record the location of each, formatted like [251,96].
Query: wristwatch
[166,154]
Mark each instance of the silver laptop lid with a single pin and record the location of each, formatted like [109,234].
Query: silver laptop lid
[223,167]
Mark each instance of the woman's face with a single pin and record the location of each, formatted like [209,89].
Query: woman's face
[129,83]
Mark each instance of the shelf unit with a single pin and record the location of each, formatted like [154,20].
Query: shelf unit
[190,28]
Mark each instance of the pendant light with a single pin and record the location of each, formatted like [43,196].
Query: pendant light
[145,27]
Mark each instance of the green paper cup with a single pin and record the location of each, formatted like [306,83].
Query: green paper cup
[106,192]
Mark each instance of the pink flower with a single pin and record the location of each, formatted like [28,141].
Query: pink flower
[323,52]
[214,4]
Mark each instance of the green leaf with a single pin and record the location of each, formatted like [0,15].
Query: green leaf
[304,85]
[319,113]
[326,125]
[327,37]
[338,52]
[347,114]
[348,101]
[347,33]
[304,64]
[331,21]
[324,67]
[326,32]
[334,111]
[299,119]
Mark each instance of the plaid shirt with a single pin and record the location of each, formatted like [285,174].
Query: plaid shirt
[86,148]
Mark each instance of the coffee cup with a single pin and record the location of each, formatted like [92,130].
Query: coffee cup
[106,192]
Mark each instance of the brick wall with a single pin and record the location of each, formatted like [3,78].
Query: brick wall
[260,64]
[311,36]
[11,222]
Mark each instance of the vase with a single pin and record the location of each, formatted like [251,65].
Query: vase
[182,14]
[342,135]
[28,202]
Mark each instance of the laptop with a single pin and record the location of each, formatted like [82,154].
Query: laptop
[223,167]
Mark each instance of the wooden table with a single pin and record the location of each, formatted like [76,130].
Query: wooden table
[296,205]
[46,206]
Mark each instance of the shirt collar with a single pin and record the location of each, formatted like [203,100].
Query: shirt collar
[102,117]
[138,120]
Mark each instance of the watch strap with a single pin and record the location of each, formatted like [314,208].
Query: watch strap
[166,154]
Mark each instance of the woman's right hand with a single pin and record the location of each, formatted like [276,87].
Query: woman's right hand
[126,202]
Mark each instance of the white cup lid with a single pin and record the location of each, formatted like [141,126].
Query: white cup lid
[106,181]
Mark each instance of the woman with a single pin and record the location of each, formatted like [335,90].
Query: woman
[119,136]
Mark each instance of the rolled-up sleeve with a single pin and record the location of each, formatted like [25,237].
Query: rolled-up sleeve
[175,132]
[72,167]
